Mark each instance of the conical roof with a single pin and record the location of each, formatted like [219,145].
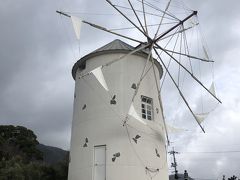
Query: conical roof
[116,46]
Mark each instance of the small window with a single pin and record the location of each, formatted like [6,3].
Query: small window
[147,108]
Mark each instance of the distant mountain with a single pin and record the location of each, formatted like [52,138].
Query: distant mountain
[52,155]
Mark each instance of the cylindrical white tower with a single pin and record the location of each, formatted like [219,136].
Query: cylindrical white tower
[114,138]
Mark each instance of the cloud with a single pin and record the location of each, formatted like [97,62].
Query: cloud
[38,49]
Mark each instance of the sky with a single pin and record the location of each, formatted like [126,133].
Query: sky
[38,49]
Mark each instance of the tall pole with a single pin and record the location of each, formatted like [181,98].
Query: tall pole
[174,164]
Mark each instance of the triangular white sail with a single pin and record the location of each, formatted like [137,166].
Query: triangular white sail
[77,23]
[201,117]
[99,76]
[205,52]
[172,129]
[212,89]
[132,112]
[156,128]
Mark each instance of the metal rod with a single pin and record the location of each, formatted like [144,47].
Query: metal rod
[180,57]
[128,19]
[142,75]
[180,92]
[101,28]
[152,6]
[123,7]
[160,102]
[62,13]
[126,55]
[174,27]
[178,32]
[151,25]
[186,47]
[162,18]
[106,30]
[144,16]
[190,56]
[196,79]
[136,15]
[138,85]
[175,44]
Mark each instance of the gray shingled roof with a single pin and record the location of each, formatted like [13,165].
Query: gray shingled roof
[116,46]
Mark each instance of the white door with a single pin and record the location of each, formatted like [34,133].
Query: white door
[100,162]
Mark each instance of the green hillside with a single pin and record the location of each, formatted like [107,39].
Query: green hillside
[23,158]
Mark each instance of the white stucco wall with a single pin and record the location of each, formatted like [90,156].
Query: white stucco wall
[102,123]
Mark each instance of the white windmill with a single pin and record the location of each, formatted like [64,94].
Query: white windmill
[118,129]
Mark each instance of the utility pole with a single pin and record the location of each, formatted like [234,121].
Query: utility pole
[174,163]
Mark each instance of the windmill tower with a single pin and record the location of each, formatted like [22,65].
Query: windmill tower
[118,127]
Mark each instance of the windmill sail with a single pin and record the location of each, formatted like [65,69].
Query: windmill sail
[77,23]
[99,76]
[212,89]
[201,117]
[206,53]
[132,112]
[172,129]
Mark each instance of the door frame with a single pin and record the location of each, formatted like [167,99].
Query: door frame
[103,145]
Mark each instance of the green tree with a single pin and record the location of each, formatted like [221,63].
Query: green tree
[21,160]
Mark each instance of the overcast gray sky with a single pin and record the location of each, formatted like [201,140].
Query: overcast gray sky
[38,50]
